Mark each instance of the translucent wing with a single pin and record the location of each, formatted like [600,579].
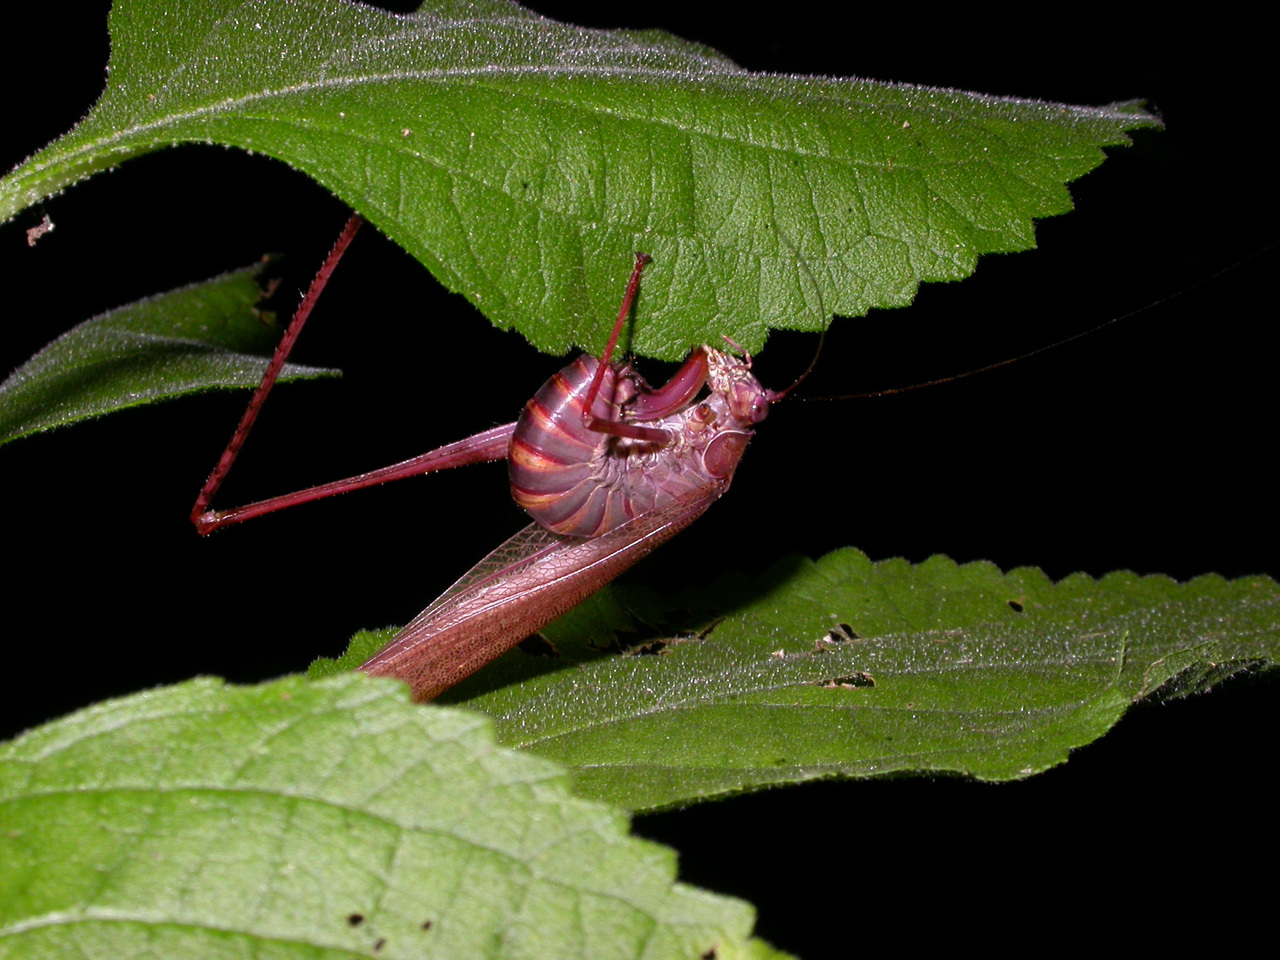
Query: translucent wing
[519,588]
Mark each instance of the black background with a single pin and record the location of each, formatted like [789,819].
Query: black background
[1141,447]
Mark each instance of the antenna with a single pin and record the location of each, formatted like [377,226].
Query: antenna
[773,396]
[996,365]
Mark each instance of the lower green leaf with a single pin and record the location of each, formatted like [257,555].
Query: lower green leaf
[844,667]
[328,819]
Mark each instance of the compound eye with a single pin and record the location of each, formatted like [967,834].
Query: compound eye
[747,402]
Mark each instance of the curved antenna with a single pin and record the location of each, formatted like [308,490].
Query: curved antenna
[987,368]
[773,396]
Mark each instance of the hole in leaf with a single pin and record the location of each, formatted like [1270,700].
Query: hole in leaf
[648,649]
[859,679]
[537,646]
[355,919]
[1015,606]
[842,633]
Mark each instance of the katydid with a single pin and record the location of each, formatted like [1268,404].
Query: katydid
[608,467]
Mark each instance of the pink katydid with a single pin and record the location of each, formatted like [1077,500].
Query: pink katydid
[608,467]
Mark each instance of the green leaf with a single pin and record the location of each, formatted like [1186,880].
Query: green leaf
[524,161]
[196,338]
[322,820]
[846,667]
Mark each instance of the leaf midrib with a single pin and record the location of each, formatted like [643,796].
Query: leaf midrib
[595,722]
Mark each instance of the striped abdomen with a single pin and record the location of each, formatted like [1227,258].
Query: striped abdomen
[584,482]
[556,462]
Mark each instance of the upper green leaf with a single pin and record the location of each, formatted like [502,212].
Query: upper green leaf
[524,161]
[322,820]
[200,337]
[846,667]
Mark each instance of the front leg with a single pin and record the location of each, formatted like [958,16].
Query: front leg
[649,404]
